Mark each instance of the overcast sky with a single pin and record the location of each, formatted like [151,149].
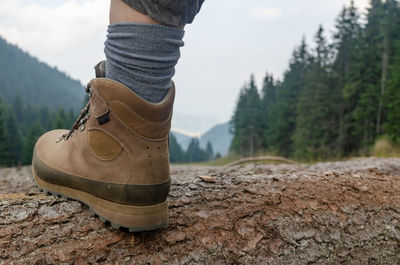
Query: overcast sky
[229,40]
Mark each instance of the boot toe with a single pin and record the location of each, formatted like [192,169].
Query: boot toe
[46,146]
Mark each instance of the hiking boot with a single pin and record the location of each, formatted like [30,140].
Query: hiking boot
[115,158]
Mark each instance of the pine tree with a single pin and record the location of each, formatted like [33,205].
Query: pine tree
[315,124]
[21,115]
[176,154]
[268,100]
[4,141]
[195,153]
[14,140]
[368,83]
[209,151]
[346,49]
[391,99]
[45,119]
[246,121]
[18,109]
[282,126]
[30,141]
[61,119]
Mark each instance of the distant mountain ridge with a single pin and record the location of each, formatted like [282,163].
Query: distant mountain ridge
[35,82]
[193,124]
[219,137]
[182,138]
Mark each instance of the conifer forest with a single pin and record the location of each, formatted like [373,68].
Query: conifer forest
[338,96]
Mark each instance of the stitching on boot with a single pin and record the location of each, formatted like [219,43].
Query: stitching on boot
[103,145]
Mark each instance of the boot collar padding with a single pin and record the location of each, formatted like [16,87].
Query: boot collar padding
[111,90]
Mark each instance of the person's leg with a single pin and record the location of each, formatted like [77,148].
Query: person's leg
[121,13]
[142,51]
[176,13]
[115,158]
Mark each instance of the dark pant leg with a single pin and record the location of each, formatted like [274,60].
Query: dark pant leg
[171,12]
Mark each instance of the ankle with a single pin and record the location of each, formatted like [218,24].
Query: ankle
[143,57]
[120,12]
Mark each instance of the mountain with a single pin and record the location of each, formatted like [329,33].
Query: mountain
[219,137]
[35,82]
[195,124]
[182,138]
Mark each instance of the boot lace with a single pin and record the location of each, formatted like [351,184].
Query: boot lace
[81,120]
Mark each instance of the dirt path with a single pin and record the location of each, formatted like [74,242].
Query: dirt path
[327,213]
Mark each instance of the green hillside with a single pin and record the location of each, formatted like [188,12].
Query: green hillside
[36,83]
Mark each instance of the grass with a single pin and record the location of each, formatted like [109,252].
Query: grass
[383,147]
[231,157]
[222,161]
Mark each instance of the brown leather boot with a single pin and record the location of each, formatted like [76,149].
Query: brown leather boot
[114,159]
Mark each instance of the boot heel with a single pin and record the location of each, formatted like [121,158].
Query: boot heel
[135,218]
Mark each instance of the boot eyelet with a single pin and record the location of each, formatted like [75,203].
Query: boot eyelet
[82,128]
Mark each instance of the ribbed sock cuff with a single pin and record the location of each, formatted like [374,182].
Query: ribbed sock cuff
[143,57]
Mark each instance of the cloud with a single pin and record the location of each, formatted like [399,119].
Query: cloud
[362,4]
[310,6]
[263,13]
[52,28]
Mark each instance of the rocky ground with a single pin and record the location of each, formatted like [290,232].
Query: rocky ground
[327,213]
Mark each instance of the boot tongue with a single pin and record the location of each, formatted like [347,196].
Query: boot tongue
[100,69]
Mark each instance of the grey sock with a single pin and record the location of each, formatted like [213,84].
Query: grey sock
[143,57]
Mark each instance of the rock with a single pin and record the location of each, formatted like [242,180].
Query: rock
[208,179]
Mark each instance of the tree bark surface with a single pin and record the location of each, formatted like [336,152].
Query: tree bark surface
[327,213]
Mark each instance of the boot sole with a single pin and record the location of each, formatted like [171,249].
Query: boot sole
[134,218]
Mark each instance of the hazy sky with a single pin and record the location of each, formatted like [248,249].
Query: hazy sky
[229,40]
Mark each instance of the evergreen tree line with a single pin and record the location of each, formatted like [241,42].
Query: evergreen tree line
[193,154]
[335,99]
[20,127]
